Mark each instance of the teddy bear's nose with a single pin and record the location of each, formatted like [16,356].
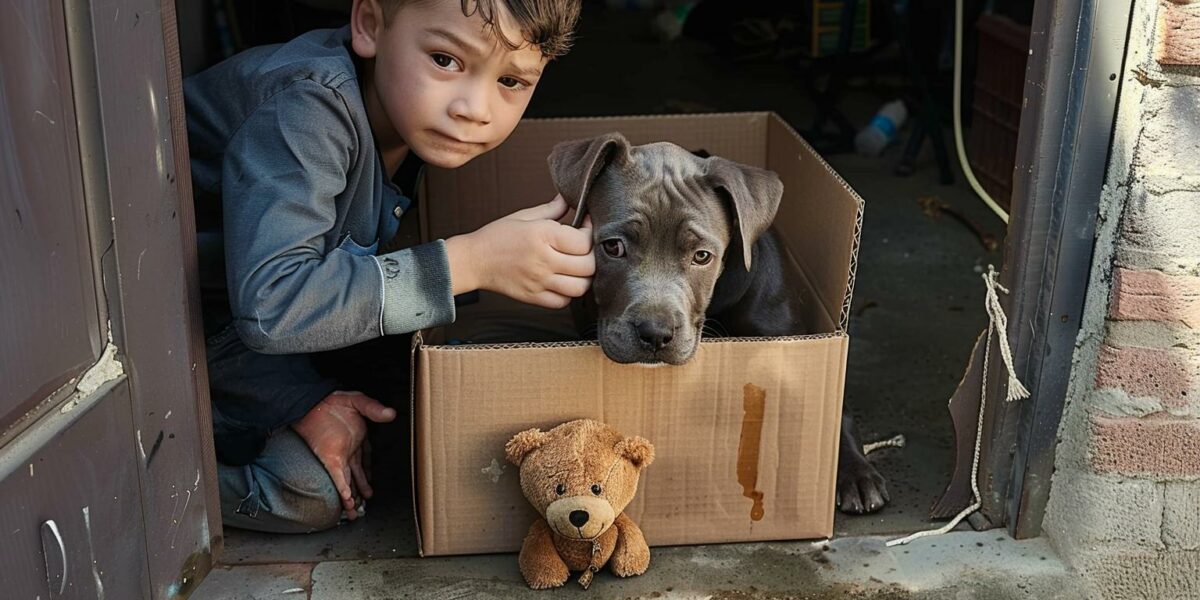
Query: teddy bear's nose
[578,517]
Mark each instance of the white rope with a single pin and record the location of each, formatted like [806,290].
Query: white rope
[896,441]
[998,325]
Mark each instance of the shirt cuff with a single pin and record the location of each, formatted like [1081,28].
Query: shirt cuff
[416,288]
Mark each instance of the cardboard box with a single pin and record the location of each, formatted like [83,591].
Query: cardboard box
[746,434]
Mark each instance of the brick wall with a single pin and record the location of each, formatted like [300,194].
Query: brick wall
[1125,503]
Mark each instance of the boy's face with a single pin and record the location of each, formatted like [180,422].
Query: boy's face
[445,86]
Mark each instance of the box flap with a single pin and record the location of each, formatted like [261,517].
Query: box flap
[821,217]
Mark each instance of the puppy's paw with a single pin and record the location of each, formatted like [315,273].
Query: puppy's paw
[861,489]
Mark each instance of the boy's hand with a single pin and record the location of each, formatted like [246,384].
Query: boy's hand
[335,431]
[528,256]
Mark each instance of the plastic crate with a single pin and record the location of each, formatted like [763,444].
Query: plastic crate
[996,107]
[826,24]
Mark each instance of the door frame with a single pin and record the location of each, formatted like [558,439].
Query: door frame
[1072,82]
[1071,90]
[127,89]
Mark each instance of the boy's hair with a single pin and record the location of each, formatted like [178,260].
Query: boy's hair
[548,25]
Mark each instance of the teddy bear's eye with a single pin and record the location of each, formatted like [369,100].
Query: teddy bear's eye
[596,489]
[561,489]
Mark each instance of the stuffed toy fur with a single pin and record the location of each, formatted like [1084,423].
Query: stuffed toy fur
[580,476]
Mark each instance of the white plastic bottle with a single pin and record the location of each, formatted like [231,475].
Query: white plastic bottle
[882,129]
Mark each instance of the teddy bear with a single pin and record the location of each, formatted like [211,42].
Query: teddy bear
[580,476]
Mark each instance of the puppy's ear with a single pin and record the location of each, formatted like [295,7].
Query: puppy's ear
[575,165]
[523,443]
[636,450]
[754,194]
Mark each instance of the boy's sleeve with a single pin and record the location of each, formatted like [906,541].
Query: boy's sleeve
[289,292]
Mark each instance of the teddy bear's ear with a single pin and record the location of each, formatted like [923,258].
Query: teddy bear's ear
[523,443]
[638,450]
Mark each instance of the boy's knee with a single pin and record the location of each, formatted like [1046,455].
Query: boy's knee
[317,503]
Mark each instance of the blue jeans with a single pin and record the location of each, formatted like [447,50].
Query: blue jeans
[285,489]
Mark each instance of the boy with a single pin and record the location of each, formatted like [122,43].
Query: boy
[294,148]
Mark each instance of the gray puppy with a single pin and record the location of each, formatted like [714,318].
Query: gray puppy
[684,244]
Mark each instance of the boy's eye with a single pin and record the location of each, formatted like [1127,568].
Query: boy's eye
[614,248]
[512,83]
[444,61]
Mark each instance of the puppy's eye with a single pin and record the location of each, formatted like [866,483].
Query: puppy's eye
[703,257]
[596,489]
[614,248]
[561,489]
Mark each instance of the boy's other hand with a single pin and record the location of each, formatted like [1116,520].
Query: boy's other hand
[335,429]
[528,256]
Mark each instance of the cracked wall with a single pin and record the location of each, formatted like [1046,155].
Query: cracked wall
[1125,504]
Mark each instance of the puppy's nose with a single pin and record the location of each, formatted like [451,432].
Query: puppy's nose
[578,518]
[656,334]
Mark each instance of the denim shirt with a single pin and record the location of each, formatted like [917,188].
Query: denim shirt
[279,138]
[292,204]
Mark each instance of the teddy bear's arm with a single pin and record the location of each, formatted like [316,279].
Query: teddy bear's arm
[540,563]
[632,554]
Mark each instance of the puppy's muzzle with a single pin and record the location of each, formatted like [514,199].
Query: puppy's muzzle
[655,334]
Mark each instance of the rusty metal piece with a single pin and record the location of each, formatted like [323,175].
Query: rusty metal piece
[933,208]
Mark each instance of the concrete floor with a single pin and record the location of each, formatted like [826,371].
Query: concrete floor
[958,566]
[918,306]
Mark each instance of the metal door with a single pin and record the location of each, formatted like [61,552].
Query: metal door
[105,437]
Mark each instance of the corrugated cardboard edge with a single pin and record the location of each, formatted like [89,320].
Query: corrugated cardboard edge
[584,343]
[417,340]
[844,318]
[831,473]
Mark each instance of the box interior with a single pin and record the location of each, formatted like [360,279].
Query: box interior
[820,217]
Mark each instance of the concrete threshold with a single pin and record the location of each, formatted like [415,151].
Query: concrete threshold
[956,566]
